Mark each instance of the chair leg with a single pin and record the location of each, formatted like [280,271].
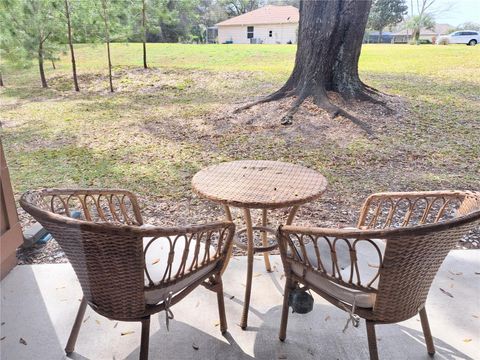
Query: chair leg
[221,305]
[283,324]
[372,340]
[426,331]
[76,327]
[145,338]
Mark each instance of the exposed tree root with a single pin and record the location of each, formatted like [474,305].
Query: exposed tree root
[277,95]
[334,111]
[321,101]
[364,96]
[287,119]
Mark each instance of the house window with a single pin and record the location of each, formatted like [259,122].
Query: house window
[270,33]
[249,32]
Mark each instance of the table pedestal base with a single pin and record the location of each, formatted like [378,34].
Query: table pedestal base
[252,249]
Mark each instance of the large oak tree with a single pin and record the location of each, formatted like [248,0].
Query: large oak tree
[330,38]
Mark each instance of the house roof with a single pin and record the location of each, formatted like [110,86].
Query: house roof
[440,29]
[270,14]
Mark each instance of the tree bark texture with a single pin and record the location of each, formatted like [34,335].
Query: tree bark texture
[40,65]
[70,44]
[330,37]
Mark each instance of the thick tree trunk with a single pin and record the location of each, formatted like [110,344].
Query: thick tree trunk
[144,27]
[40,65]
[70,44]
[330,37]
[329,44]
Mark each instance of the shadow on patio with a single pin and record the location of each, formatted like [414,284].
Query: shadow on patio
[39,303]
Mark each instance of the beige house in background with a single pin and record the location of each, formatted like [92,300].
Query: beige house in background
[268,25]
[431,35]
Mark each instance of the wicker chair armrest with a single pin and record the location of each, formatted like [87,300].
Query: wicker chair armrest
[321,249]
[401,209]
[185,250]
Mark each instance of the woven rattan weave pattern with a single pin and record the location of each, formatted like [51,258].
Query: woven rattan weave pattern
[418,230]
[105,243]
[259,184]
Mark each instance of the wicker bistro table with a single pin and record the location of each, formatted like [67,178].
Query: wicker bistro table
[258,184]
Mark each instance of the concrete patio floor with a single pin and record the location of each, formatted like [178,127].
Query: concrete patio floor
[39,304]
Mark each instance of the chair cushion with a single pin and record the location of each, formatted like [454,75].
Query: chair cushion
[156,260]
[367,260]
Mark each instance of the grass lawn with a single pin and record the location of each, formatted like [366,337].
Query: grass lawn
[164,124]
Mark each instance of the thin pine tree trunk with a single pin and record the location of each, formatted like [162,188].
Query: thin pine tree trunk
[107,40]
[144,26]
[53,64]
[109,67]
[40,65]
[70,44]
[1,80]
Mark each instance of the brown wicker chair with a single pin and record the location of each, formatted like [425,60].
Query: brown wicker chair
[127,270]
[383,269]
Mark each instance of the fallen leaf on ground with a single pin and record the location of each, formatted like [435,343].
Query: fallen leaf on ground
[217,323]
[477,273]
[467,340]
[88,317]
[327,317]
[232,297]
[127,333]
[373,265]
[197,304]
[61,287]
[98,322]
[22,341]
[155,261]
[257,275]
[116,324]
[455,273]
[2,338]
[475,316]
[3,323]
[446,292]
[195,346]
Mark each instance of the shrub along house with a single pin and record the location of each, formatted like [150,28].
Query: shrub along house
[267,25]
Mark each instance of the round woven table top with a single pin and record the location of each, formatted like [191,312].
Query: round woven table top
[259,184]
